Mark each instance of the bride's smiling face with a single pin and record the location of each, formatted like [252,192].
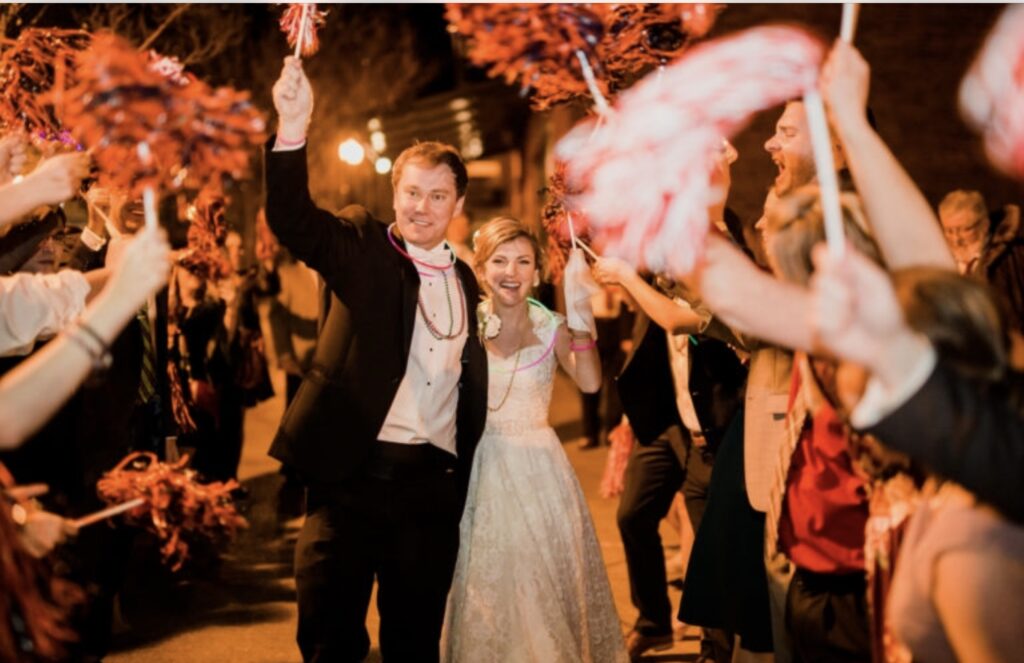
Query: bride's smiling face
[510,273]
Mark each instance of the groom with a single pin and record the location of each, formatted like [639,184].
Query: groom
[384,426]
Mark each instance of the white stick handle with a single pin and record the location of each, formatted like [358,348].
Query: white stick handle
[849,25]
[149,207]
[588,76]
[152,223]
[590,252]
[572,228]
[27,491]
[109,512]
[828,183]
[302,31]
[148,194]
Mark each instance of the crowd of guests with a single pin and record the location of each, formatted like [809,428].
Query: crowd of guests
[99,359]
[865,452]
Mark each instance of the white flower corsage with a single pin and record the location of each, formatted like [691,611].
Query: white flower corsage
[489,322]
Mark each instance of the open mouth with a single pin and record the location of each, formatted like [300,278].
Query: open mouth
[781,166]
[510,286]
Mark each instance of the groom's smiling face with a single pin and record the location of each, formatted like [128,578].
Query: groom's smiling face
[425,202]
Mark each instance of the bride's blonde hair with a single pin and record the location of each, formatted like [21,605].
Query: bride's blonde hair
[503,229]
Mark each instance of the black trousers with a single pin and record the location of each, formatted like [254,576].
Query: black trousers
[97,560]
[398,523]
[827,617]
[291,387]
[603,410]
[654,474]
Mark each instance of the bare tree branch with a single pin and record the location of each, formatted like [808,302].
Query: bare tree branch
[39,15]
[178,11]
[107,17]
[8,15]
[209,31]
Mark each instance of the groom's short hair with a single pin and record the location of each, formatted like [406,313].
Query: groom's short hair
[433,153]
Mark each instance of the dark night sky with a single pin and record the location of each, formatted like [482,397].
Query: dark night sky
[918,55]
[433,41]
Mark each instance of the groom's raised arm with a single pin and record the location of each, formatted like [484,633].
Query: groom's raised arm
[313,235]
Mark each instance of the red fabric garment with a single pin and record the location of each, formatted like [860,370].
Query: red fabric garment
[825,511]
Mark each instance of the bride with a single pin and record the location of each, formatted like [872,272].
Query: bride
[530,583]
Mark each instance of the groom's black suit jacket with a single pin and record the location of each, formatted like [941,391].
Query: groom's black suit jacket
[329,429]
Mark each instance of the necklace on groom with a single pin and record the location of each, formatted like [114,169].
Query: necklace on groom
[443,270]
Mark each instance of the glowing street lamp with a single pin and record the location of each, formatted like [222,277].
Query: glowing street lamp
[351,152]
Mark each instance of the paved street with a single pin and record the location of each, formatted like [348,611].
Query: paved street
[241,607]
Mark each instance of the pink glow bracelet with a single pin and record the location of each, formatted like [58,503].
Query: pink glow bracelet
[582,348]
[284,142]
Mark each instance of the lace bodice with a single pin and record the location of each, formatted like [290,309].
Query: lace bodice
[529,395]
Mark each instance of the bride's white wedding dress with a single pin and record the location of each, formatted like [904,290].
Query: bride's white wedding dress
[530,584]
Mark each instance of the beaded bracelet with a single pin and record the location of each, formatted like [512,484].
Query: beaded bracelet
[582,348]
[99,351]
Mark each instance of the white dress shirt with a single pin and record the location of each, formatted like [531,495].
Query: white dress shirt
[37,306]
[93,241]
[424,407]
[679,359]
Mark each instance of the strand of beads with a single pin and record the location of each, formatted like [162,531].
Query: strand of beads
[547,351]
[443,269]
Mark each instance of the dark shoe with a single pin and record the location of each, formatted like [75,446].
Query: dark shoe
[637,643]
[589,443]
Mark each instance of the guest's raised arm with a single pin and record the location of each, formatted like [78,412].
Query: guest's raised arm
[31,393]
[53,181]
[667,314]
[902,221]
[962,428]
[751,301]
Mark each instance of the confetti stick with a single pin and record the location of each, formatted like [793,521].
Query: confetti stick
[662,140]
[152,223]
[576,241]
[148,195]
[821,143]
[109,512]
[178,507]
[28,491]
[849,23]
[590,252]
[299,23]
[302,31]
[150,124]
[572,229]
[588,75]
